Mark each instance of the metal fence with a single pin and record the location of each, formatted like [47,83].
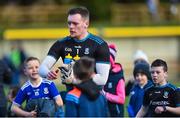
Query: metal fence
[120,14]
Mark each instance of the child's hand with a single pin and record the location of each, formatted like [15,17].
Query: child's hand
[103,92]
[32,114]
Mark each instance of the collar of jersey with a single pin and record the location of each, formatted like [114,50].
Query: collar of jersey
[36,85]
[82,40]
[162,86]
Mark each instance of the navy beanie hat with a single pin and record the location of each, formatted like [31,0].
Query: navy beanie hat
[142,68]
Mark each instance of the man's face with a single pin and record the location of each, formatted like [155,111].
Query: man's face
[77,26]
[158,75]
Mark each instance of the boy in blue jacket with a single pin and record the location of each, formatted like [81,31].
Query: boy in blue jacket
[85,99]
[142,77]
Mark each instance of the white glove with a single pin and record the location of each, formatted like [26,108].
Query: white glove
[67,73]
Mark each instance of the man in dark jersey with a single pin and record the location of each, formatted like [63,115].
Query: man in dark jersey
[80,43]
[161,99]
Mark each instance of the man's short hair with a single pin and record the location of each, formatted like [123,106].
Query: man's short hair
[84,68]
[160,62]
[83,11]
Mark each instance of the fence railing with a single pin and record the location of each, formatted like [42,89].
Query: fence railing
[120,14]
[139,13]
[33,14]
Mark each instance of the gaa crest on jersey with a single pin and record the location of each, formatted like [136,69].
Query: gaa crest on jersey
[46,91]
[86,51]
[165,94]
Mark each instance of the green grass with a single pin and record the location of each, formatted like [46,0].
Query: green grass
[125,106]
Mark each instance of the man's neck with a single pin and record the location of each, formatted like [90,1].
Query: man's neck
[83,36]
[162,83]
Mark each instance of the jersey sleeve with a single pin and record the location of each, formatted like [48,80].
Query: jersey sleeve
[55,50]
[177,97]
[146,101]
[102,53]
[20,97]
[53,90]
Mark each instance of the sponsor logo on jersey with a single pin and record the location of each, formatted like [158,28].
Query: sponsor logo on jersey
[160,103]
[86,51]
[36,92]
[157,91]
[77,46]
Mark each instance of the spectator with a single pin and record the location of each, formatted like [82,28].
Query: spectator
[11,96]
[5,76]
[38,92]
[85,99]
[17,57]
[138,57]
[162,98]
[153,9]
[173,7]
[114,90]
[142,77]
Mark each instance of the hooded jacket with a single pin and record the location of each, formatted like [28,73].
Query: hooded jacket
[85,100]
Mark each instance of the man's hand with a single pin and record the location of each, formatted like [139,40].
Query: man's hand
[53,74]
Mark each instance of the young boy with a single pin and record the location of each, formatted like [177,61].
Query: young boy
[162,99]
[36,88]
[114,90]
[85,99]
[11,96]
[142,77]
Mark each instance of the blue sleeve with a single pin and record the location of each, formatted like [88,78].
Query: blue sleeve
[146,100]
[71,109]
[53,90]
[130,111]
[131,104]
[20,97]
